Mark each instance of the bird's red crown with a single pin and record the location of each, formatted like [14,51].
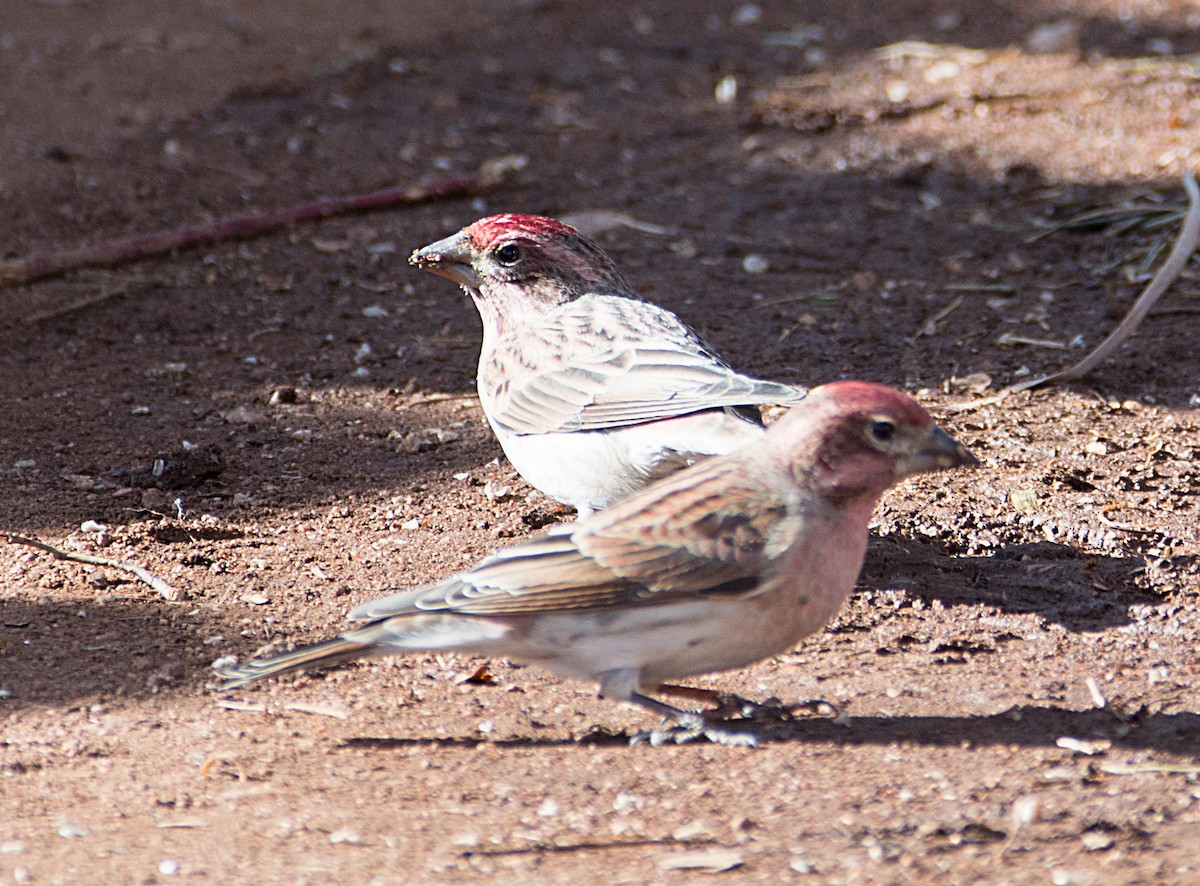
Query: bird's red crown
[864,396]
[485,231]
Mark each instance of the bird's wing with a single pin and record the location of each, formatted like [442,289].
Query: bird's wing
[693,539]
[607,361]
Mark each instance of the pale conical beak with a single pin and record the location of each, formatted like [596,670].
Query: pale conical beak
[449,258]
[937,451]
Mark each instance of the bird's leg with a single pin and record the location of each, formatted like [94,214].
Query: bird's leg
[724,704]
[728,704]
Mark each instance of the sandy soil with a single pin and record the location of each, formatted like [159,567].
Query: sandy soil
[1017,674]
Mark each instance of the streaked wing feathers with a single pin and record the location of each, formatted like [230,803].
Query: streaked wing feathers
[629,362]
[645,557]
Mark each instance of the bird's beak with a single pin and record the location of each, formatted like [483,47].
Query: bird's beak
[935,451]
[449,258]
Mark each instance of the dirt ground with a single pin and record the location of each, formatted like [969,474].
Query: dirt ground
[1017,675]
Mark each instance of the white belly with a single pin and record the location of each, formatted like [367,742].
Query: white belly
[592,469]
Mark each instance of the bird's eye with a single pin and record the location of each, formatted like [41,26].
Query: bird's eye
[508,254]
[883,430]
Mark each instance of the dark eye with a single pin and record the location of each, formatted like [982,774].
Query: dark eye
[508,254]
[883,430]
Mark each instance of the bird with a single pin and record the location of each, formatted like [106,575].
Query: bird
[591,391]
[710,569]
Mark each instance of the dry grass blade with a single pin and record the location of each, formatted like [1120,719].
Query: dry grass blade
[1113,219]
[1181,253]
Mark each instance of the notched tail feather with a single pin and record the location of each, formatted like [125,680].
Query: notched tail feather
[318,656]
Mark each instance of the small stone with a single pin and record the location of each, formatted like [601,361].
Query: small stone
[726,90]
[755,264]
[1095,841]
[494,491]
[801,866]
[345,835]
[168,867]
[1024,810]
[1023,501]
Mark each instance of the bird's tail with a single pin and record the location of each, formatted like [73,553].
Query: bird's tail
[320,655]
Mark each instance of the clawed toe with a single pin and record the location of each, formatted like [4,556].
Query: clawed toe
[699,727]
[771,710]
[689,727]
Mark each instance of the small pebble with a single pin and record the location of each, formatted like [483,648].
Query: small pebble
[727,90]
[345,835]
[755,264]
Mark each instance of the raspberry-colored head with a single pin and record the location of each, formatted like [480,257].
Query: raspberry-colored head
[858,438]
[527,257]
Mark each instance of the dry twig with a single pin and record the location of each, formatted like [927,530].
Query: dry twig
[242,227]
[166,591]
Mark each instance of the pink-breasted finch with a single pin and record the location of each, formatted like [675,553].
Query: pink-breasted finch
[718,566]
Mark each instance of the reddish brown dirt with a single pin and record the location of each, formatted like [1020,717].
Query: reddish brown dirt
[880,188]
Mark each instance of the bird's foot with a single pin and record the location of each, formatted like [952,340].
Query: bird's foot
[694,726]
